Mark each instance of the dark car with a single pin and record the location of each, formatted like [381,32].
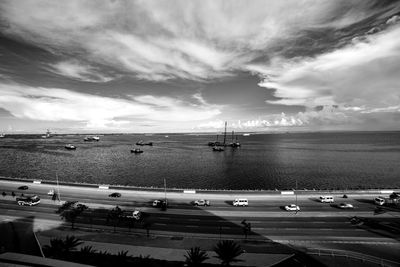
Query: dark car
[23,187]
[158,203]
[116,194]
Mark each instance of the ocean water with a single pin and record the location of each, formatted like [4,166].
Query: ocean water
[351,160]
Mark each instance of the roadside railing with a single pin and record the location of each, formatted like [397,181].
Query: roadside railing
[352,255]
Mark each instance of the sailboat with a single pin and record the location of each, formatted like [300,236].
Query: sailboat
[235,143]
[47,135]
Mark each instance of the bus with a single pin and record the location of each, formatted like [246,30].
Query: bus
[28,200]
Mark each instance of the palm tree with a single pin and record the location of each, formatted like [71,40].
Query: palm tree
[115,216]
[59,248]
[195,256]
[55,249]
[71,242]
[87,250]
[227,251]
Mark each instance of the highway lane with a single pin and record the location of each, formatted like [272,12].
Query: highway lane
[206,223]
[142,200]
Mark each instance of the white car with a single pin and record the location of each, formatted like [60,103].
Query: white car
[292,207]
[202,202]
[345,206]
[137,215]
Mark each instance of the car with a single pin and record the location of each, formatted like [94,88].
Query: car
[202,202]
[345,206]
[292,207]
[158,203]
[115,194]
[137,215]
[379,201]
[23,187]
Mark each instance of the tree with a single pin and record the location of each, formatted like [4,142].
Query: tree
[227,251]
[55,196]
[59,248]
[195,256]
[147,225]
[87,250]
[70,210]
[4,194]
[115,216]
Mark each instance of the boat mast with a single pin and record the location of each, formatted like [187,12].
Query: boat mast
[225,134]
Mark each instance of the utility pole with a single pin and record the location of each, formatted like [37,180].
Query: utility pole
[58,188]
[296,197]
[165,190]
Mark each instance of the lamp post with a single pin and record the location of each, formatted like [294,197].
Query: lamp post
[164,206]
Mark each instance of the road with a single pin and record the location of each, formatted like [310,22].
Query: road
[317,223]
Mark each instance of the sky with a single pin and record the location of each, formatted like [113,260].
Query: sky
[189,66]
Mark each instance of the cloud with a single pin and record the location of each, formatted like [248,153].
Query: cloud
[359,74]
[75,70]
[53,104]
[158,40]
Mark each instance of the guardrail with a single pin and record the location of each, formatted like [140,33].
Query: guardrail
[352,255]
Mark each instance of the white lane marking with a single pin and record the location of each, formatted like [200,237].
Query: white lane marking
[160,223]
[192,226]
[194,220]
[163,218]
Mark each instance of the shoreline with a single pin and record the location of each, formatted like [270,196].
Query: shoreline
[207,191]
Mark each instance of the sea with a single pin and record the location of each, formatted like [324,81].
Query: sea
[320,160]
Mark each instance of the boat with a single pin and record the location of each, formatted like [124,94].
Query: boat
[235,143]
[70,147]
[47,135]
[2,135]
[217,143]
[217,148]
[136,151]
[91,138]
[246,134]
[141,143]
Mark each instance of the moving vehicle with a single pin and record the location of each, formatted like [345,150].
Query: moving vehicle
[158,203]
[28,200]
[326,199]
[292,207]
[202,202]
[345,206]
[70,147]
[379,201]
[240,202]
[23,187]
[115,194]
[136,214]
